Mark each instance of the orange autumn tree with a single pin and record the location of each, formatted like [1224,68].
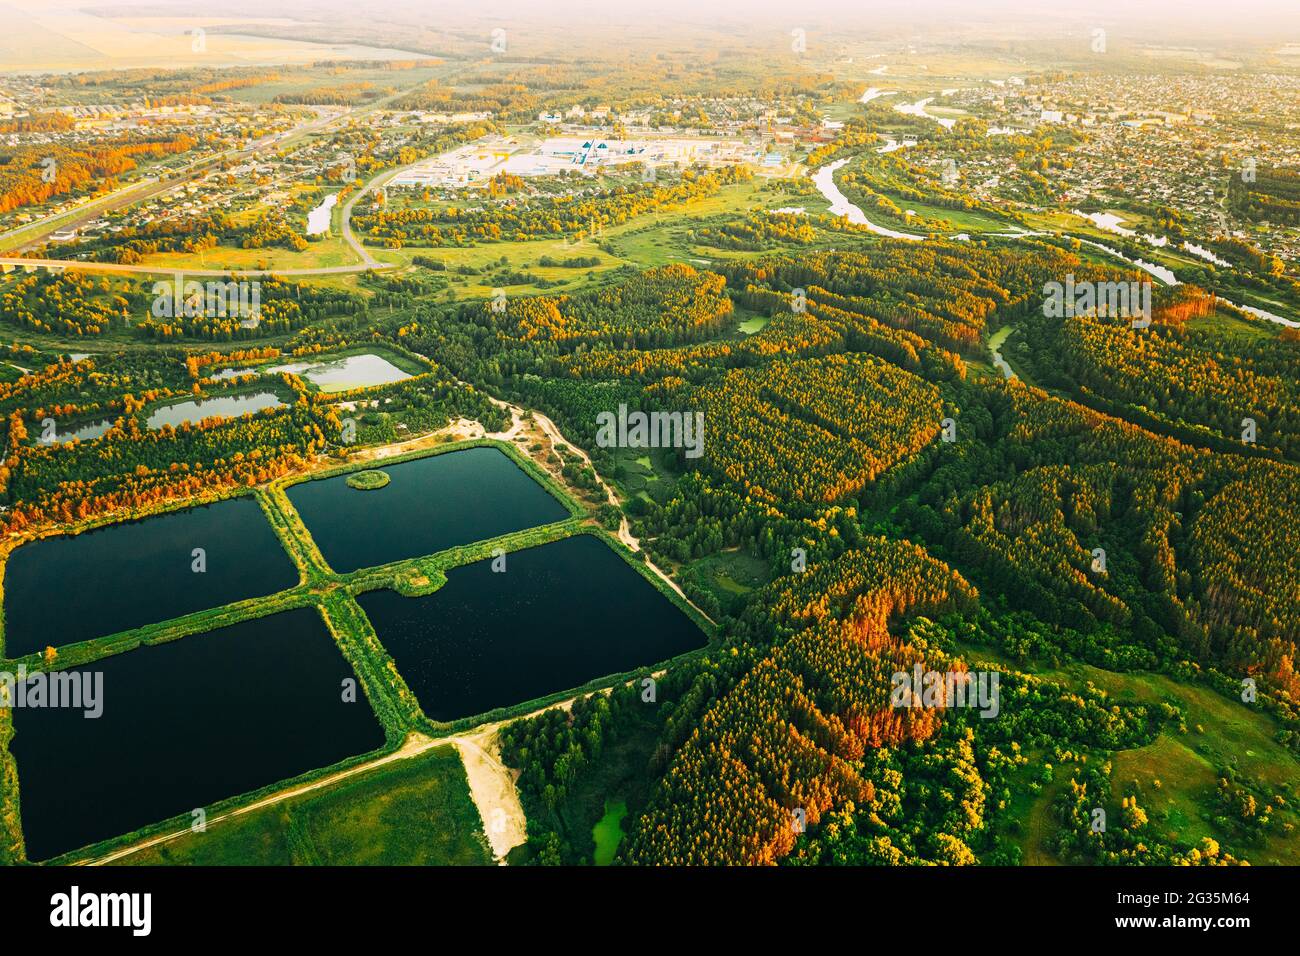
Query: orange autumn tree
[785,738]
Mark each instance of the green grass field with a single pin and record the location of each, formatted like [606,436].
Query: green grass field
[416,811]
[1174,784]
[1231,327]
[1219,732]
[608,833]
[734,572]
[650,474]
[330,77]
[752,322]
[653,239]
[319,254]
[958,220]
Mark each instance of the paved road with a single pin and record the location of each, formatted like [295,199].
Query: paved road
[345,220]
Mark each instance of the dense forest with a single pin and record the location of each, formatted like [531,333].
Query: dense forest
[890,544]
[904,508]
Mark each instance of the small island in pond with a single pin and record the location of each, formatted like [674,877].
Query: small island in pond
[368,480]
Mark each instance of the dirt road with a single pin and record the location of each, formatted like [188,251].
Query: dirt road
[491,784]
[415,743]
[552,432]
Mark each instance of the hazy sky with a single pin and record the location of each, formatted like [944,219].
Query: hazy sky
[80,34]
[1271,18]
[1267,17]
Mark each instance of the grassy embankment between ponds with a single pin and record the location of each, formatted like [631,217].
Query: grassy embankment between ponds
[334,596]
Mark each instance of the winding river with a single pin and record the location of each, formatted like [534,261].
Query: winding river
[824,180]
[996,341]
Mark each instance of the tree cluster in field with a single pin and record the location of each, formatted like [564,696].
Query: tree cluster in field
[66,303]
[534,218]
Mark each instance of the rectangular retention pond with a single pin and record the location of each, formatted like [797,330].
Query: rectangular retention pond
[184,725]
[66,589]
[560,615]
[430,504]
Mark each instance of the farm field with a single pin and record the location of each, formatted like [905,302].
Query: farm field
[66,40]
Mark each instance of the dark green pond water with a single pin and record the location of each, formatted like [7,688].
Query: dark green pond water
[559,616]
[225,406]
[186,724]
[84,431]
[431,504]
[61,590]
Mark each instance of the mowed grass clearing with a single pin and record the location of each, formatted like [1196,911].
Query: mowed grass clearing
[734,572]
[412,812]
[1233,327]
[608,833]
[319,254]
[1174,785]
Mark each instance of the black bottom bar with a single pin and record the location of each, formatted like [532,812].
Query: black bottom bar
[287,906]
